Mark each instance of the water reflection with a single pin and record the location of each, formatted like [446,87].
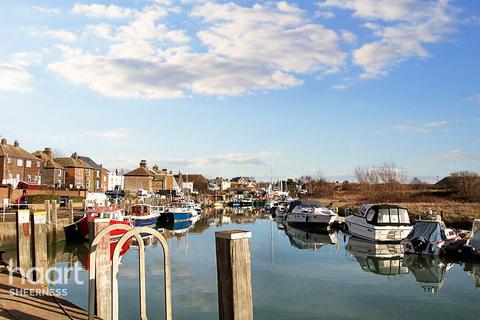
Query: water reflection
[303,239]
[429,271]
[379,258]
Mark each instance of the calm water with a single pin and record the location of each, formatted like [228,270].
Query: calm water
[296,275]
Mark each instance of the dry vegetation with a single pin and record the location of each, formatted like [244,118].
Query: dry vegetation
[458,196]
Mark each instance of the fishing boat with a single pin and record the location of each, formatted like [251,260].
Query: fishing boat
[382,222]
[180,211]
[195,206]
[143,215]
[472,246]
[309,214]
[429,237]
[80,229]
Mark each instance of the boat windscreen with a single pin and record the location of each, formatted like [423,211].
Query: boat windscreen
[431,231]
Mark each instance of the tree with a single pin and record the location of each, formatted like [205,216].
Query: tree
[465,184]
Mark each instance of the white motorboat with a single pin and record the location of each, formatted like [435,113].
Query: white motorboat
[281,210]
[473,242]
[429,237]
[383,223]
[309,214]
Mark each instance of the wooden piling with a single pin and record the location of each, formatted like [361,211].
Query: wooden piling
[234,275]
[39,234]
[54,215]
[47,209]
[103,269]
[24,249]
[70,209]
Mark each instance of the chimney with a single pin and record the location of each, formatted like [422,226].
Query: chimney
[48,152]
[74,155]
[143,163]
[4,142]
[155,167]
[16,144]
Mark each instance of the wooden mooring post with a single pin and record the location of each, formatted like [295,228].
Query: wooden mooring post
[234,275]
[70,209]
[24,249]
[54,215]
[103,270]
[39,235]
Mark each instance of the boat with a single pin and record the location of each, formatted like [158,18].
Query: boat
[379,222]
[143,215]
[80,228]
[380,258]
[309,214]
[472,246]
[429,237]
[246,203]
[195,206]
[429,271]
[281,210]
[180,211]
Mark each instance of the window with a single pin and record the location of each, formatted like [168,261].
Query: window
[97,184]
[9,160]
[370,214]
[78,181]
[98,173]
[28,163]
[394,215]
[38,164]
[59,173]
[36,178]
[29,178]
[383,216]
[19,162]
[403,214]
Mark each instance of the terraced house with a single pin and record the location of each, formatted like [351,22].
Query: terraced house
[78,173]
[18,165]
[53,173]
[100,174]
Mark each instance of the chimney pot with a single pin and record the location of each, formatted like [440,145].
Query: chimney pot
[16,144]
[143,163]
[4,142]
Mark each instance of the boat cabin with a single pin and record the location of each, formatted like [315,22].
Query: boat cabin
[384,214]
[140,210]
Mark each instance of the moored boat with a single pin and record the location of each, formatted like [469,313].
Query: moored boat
[180,211]
[80,228]
[383,223]
[309,214]
[472,246]
[429,237]
[143,215]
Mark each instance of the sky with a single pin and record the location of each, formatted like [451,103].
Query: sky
[256,88]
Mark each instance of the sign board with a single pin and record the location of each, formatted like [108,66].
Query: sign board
[40,217]
[23,216]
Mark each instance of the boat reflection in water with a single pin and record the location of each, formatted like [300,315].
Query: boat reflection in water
[380,258]
[303,239]
[473,269]
[429,271]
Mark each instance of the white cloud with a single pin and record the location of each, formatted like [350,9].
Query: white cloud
[459,155]
[14,78]
[268,154]
[62,35]
[48,10]
[348,37]
[102,11]
[410,26]
[26,58]
[424,128]
[475,98]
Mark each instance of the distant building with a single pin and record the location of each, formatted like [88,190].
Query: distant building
[53,173]
[222,184]
[18,165]
[78,173]
[99,176]
[140,178]
[200,183]
[115,181]
[163,180]
[243,182]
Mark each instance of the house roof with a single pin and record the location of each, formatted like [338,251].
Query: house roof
[92,163]
[48,162]
[195,178]
[15,151]
[237,179]
[141,172]
[73,162]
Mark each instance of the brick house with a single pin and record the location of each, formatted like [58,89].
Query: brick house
[99,176]
[163,180]
[139,178]
[196,182]
[53,173]
[78,173]
[18,165]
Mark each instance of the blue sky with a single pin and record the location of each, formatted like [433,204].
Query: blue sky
[246,87]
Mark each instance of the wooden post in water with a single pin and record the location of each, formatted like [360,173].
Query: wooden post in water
[234,275]
[24,249]
[103,269]
[47,209]
[70,209]
[54,212]
[39,234]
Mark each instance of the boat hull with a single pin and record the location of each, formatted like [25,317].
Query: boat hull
[145,222]
[310,221]
[360,229]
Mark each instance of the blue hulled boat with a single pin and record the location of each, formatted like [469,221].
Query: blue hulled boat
[142,215]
